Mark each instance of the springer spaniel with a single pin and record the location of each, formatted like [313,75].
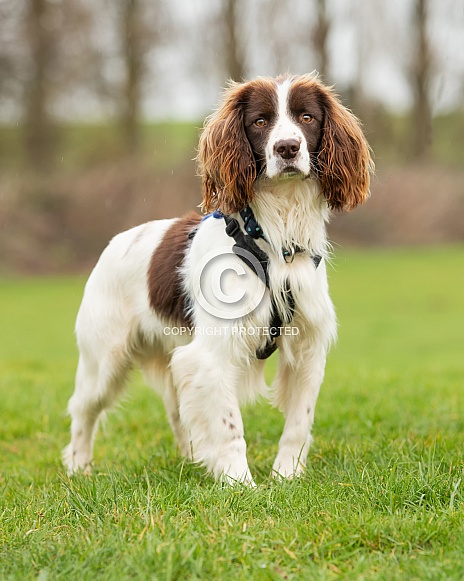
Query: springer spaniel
[199,304]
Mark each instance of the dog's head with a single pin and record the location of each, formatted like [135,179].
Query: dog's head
[284,128]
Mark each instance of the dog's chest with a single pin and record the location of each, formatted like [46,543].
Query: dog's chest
[299,290]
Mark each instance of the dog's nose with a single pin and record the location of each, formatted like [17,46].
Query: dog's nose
[287,148]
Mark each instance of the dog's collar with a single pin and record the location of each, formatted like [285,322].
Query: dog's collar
[255,231]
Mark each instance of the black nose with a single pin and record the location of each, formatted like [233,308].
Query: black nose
[287,148]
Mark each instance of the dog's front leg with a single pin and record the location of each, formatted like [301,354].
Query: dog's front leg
[296,389]
[209,411]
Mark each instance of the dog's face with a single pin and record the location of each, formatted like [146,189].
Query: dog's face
[284,128]
[289,127]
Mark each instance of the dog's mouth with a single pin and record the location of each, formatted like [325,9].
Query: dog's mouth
[291,169]
[289,172]
[285,170]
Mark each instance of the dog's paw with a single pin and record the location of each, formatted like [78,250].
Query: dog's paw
[73,463]
[287,468]
[234,473]
[245,480]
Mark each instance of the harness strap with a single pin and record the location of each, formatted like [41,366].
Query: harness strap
[245,242]
[275,326]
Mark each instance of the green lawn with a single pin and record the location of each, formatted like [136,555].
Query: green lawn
[78,145]
[383,494]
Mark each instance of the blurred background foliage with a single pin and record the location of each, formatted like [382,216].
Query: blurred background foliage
[102,101]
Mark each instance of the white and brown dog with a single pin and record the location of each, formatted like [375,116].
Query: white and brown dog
[199,304]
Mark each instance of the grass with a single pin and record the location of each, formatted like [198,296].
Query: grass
[382,497]
[82,145]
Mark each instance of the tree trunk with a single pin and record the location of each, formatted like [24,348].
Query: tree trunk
[320,36]
[235,65]
[132,55]
[421,74]
[37,128]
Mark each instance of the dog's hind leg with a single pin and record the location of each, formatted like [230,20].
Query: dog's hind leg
[97,386]
[171,403]
[158,375]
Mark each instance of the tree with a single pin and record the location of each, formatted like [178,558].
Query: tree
[320,37]
[233,41]
[11,13]
[139,36]
[37,125]
[422,68]
[48,56]
[131,31]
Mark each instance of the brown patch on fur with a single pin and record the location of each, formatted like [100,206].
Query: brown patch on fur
[225,158]
[344,157]
[165,291]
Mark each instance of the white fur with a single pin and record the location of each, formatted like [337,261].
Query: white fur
[284,129]
[204,377]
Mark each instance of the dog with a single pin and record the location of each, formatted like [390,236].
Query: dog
[199,303]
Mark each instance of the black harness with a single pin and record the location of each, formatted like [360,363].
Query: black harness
[246,242]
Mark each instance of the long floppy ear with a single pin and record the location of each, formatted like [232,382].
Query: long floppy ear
[225,159]
[344,159]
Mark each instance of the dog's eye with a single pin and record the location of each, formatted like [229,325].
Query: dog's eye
[306,118]
[260,122]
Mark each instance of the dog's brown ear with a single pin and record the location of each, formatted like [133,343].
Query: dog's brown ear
[225,159]
[344,158]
